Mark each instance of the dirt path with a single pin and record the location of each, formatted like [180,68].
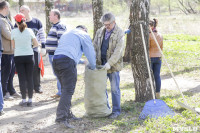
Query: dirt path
[40,117]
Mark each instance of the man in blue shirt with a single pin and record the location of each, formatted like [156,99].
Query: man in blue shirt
[1,93]
[67,55]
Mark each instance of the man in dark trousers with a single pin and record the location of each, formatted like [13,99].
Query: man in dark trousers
[36,25]
[7,60]
[67,55]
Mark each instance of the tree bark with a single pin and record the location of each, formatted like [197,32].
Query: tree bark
[169,4]
[48,7]
[143,91]
[129,41]
[97,8]
[77,5]
[21,2]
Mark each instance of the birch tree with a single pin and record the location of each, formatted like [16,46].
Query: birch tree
[21,2]
[138,63]
[48,7]
[97,8]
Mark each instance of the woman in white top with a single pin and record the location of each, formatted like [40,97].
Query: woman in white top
[21,39]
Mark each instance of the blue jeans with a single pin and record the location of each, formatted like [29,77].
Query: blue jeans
[58,82]
[1,93]
[155,66]
[115,92]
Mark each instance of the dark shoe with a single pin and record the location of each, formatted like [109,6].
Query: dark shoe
[65,123]
[17,95]
[2,113]
[113,116]
[29,104]
[39,91]
[23,104]
[71,116]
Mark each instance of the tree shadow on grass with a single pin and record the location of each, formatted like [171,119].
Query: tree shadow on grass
[127,86]
[186,70]
[130,114]
[193,90]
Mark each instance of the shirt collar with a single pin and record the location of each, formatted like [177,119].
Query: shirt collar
[111,30]
[3,16]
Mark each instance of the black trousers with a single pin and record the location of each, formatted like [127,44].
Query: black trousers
[65,70]
[36,72]
[7,73]
[24,66]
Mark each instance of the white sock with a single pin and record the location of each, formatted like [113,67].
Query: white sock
[30,100]
[23,100]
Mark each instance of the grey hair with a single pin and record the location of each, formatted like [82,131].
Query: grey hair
[26,7]
[3,4]
[107,17]
[56,12]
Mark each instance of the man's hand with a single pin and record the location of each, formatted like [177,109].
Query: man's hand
[43,51]
[106,66]
[86,62]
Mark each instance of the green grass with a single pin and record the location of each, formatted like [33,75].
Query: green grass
[182,54]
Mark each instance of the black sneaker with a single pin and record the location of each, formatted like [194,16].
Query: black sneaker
[23,104]
[65,123]
[71,116]
[113,116]
[29,104]
[2,113]
[39,91]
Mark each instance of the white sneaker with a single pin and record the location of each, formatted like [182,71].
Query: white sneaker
[7,96]
[17,95]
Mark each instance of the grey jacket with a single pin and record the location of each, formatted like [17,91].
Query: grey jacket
[115,51]
[6,36]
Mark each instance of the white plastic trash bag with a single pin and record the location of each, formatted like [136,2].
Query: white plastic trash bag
[95,93]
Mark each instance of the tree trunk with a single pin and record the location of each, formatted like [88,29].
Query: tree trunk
[169,4]
[129,41]
[138,62]
[21,2]
[48,7]
[159,11]
[97,8]
[77,5]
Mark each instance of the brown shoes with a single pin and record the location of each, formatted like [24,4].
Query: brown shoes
[55,96]
[157,95]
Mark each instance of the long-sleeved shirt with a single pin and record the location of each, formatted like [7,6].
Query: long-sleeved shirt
[53,37]
[153,49]
[74,43]
[36,25]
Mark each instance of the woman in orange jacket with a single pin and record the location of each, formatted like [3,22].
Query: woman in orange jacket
[155,54]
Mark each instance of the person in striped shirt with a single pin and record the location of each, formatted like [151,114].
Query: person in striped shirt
[52,40]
